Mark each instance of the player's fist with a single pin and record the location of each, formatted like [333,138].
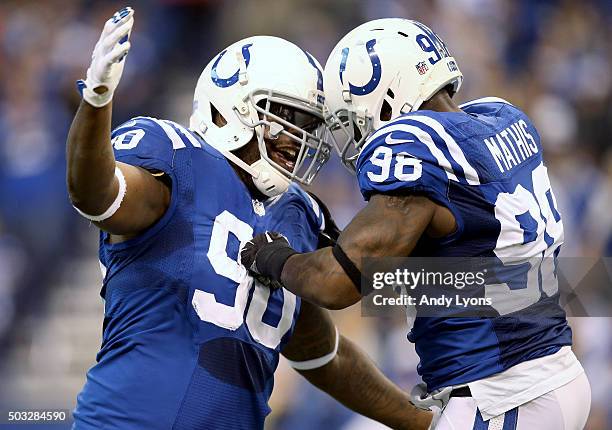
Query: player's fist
[264,257]
[108,59]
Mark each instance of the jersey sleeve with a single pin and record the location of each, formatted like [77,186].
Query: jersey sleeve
[152,144]
[147,142]
[300,219]
[403,160]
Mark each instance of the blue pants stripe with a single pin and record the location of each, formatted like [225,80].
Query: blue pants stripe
[479,423]
[510,419]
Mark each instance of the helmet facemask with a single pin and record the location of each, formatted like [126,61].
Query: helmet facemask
[379,71]
[301,121]
[245,86]
[348,131]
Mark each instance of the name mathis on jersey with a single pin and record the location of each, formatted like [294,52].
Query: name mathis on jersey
[512,146]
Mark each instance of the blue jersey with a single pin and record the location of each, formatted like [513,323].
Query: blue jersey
[189,341]
[485,165]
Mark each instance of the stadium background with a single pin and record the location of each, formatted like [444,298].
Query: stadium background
[551,57]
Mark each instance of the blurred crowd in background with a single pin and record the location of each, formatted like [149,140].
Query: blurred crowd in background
[553,58]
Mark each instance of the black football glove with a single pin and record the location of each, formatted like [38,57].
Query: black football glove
[264,257]
[329,235]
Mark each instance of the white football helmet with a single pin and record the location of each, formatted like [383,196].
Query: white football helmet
[378,71]
[241,83]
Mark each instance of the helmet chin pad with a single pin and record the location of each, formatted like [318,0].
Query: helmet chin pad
[268,180]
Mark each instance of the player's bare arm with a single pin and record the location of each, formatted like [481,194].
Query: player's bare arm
[94,184]
[389,226]
[341,369]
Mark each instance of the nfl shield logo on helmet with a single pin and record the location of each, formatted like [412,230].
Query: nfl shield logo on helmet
[422,67]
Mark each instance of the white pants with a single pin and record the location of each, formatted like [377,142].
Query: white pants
[565,408]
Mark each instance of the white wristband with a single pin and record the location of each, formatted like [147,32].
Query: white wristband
[97,100]
[315,363]
[115,205]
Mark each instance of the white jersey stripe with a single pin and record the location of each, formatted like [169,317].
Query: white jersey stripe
[425,138]
[485,100]
[318,212]
[471,175]
[185,133]
[177,142]
[102,269]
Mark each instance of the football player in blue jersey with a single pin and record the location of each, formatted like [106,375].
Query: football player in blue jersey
[190,341]
[446,180]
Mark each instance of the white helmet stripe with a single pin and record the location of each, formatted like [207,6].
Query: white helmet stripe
[471,175]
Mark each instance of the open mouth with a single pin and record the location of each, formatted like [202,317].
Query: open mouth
[285,155]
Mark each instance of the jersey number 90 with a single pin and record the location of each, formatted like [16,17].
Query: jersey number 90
[232,317]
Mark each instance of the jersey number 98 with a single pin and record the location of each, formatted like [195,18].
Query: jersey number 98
[405,167]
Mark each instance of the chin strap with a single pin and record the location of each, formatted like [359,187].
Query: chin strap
[238,162]
[269,181]
[265,177]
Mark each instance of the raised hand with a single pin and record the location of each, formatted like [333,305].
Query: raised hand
[107,60]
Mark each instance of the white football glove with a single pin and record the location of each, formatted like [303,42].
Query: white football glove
[420,398]
[107,60]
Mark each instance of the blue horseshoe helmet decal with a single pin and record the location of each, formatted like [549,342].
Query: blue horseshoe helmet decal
[228,82]
[376,70]
[311,60]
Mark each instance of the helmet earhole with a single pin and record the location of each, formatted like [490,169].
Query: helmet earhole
[217,117]
[386,111]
